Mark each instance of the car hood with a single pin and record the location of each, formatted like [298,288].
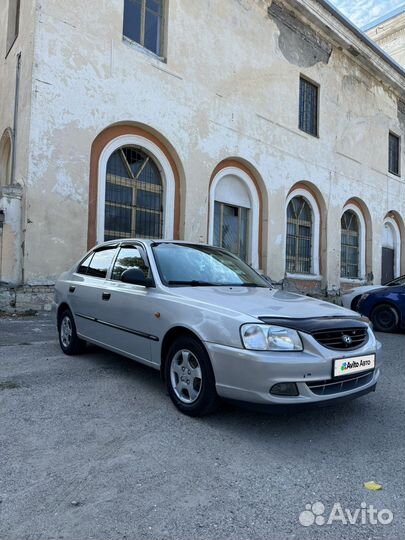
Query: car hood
[261,302]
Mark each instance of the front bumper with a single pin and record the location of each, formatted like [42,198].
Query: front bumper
[248,376]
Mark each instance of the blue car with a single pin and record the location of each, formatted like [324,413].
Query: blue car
[385,308]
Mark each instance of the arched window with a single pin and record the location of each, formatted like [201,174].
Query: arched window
[133,195]
[234,214]
[5,159]
[299,236]
[350,245]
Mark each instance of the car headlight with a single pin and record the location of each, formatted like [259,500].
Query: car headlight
[264,337]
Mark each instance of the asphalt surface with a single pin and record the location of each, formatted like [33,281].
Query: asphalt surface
[91,448]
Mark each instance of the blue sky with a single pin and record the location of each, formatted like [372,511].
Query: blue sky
[362,12]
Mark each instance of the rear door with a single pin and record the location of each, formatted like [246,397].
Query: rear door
[86,293]
[130,308]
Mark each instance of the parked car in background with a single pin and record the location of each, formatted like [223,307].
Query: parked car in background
[351,297]
[213,327]
[385,307]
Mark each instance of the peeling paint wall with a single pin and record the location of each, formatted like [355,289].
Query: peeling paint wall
[12,200]
[229,89]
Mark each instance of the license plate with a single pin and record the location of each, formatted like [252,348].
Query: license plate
[356,364]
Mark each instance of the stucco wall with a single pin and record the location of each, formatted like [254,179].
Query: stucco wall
[12,200]
[229,89]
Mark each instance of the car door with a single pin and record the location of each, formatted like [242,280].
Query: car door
[86,293]
[130,307]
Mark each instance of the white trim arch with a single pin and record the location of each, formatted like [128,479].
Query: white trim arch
[254,221]
[165,169]
[397,244]
[316,233]
[362,241]
[6,150]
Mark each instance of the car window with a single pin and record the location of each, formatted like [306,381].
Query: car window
[199,265]
[128,257]
[101,262]
[84,265]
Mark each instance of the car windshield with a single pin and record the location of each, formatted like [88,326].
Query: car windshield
[199,266]
[397,281]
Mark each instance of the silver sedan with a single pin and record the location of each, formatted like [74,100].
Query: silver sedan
[213,327]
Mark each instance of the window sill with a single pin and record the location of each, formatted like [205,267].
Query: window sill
[354,281]
[143,50]
[394,175]
[307,277]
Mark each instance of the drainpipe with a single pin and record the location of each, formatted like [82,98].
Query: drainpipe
[15,118]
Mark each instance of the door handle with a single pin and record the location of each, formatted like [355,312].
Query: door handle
[72,288]
[106,296]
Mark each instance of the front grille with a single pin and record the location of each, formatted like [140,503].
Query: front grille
[326,388]
[346,339]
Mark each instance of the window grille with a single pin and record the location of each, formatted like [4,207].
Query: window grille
[299,237]
[133,196]
[308,110]
[231,228]
[393,151]
[350,245]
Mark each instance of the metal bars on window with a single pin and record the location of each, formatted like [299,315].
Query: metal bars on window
[231,228]
[143,23]
[393,154]
[350,246]
[299,237]
[133,196]
[308,109]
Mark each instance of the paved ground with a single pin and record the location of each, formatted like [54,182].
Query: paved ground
[91,448]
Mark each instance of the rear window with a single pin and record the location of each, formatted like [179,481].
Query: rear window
[101,262]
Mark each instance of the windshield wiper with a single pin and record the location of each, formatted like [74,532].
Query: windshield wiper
[193,283]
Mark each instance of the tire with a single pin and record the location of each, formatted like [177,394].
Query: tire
[355,303]
[69,342]
[385,318]
[189,377]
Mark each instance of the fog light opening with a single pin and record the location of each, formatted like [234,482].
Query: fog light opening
[284,389]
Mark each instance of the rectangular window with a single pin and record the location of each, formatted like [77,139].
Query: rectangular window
[143,23]
[231,228]
[13,23]
[308,113]
[393,154]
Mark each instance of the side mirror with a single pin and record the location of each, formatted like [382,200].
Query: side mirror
[135,277]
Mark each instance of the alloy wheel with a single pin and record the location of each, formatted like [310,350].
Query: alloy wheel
[186,376]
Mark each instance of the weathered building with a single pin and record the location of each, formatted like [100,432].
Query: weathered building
[389,32]
[271,128]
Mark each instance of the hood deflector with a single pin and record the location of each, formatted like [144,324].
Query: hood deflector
[309,326]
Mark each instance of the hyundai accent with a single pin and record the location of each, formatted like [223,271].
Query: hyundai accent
[213,327]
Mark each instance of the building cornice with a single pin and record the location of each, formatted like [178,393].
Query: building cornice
[344,34]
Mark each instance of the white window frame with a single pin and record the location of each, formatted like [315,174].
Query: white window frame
[165,170]
[254,220]
[362,243]
[397,238]
[316,231]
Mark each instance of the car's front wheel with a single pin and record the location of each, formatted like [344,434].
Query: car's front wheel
[69,341]
[385,318]
[189,377]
